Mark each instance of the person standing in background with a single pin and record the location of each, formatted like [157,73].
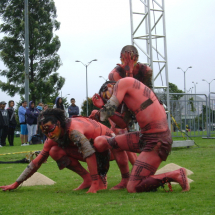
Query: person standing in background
[1,124]
[4,130]
[73,110]
[31,120]
[40,106]
[23,125]
[12,122]
[45,107]
[59,104]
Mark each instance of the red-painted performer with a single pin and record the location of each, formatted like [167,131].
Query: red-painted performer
[129,67]
[131,155]
[68,142]
[154,140]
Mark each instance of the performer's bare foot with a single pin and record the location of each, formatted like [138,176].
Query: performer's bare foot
[94,187]
[102,185]
[179,176]
[182,179]
[121,185]
[86,184]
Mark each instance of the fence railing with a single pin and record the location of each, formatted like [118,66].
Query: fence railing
[194,114]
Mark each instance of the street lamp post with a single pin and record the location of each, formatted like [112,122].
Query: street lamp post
[65,95]
[185,91]
[195,88]
[209,83]
[86,65]
[195,85]
[195,102]
[102,77]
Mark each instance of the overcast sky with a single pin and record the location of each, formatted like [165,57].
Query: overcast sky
[98,29]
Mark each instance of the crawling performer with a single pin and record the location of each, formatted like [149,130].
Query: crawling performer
[129,67]
[68,143]
[154,140]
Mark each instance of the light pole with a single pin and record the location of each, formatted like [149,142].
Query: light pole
[195,88]
[86,65]
[102,77]
[185,90]
[195,85]
[65,95]
[26,52]
[209,83]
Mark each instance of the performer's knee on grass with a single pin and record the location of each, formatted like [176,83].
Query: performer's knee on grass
[147,185]
[131,187]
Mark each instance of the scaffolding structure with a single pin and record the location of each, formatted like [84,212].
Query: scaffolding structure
[148,34]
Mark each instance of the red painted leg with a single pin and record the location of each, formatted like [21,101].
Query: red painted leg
[179,176]
[145,165]
[122,161]
[92,165]
[63,160]
[132,157]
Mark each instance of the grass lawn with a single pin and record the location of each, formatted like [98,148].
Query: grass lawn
[61,199]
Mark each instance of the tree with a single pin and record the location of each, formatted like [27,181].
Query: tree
[174,89]
[193,109]
[175,107]
[43,46]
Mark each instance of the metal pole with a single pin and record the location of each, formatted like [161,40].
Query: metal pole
[86,91]
[26,53]
[86,65]
[167,77]
[150,41]
[185,102]
[209,97]
[185,92]
[131,21]
[208,116]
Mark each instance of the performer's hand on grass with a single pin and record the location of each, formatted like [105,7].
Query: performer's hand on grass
[10,187]
[97,101]
[128,61]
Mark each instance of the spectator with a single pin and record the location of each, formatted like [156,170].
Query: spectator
[40,106]
[32,114]
[12,122]
[5,124]
[23,125]
[45,107]
[1,124]
[73,109]
[59,104]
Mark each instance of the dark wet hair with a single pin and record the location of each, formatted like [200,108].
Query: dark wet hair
[52,115]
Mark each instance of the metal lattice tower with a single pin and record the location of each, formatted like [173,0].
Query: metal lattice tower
[148,34]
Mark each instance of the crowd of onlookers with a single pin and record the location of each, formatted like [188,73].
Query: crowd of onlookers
[27,116]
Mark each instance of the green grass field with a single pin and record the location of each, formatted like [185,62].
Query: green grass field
[61,199]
